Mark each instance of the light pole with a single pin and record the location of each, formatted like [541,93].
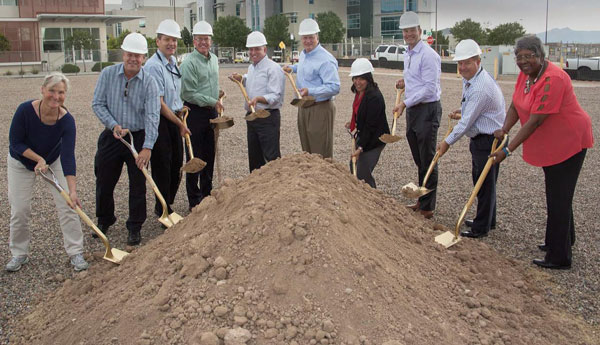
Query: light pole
[546,35]
[292,50]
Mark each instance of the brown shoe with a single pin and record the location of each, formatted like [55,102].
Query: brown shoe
[427,214]
[414,207]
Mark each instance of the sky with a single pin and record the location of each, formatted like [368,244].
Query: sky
[531,14]
[575,14]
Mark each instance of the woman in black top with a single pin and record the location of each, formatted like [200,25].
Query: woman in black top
[368,118]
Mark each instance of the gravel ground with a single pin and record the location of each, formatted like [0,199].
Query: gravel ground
[521,209]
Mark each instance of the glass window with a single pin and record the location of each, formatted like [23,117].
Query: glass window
[392,50]
[389,26]
[311,15]
[388,6]
[8,2]
[311,2]
[411,5]
[237,9]
[353,3]
[381,49]
[354,21]
[52,40]
[142,23]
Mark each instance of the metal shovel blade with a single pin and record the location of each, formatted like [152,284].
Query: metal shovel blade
[250,117]
[296,102]
[170,220]
[307,101]
[411,190]
[262,114]
[389,139]
[222,122]
[447,239]
[194,165]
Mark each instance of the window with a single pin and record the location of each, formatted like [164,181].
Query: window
[52,40]
[311,2]
[294,19]
[354,21]
[8,2]
[353,3]
[389,26]
[311,15]
[411,5]
[119,29]
[237,9]
[389,6]
[381,49]
[142,23]
[392,50]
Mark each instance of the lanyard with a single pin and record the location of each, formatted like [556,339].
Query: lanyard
[169,68]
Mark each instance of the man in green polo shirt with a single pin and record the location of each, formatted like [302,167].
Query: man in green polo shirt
[200,93]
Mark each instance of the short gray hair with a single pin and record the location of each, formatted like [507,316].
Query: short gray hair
[532,43]
[55,78]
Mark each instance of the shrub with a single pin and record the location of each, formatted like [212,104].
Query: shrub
[34,71]
[8,73]
[100,66]
[21,72]
[70,68]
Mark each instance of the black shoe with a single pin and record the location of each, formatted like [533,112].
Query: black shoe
[134,238]
[103,228]
[545,264]
[469,224]
[472,234]
[543,247]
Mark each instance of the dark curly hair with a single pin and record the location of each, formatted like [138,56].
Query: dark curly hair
[370,82]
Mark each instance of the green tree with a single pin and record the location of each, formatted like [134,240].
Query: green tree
[230,31]
[114,43]
[4,43]
[441,39]
[505,34]
[469,29]
[81,40]
[276,30]
[331,26]
[186,36]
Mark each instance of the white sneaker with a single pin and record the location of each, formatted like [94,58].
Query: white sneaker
[79,263]
[16,262]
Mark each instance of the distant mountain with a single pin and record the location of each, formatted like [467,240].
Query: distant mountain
[567,35]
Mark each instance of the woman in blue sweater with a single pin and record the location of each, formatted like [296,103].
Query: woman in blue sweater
[42,135]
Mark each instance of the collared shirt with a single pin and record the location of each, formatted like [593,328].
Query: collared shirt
[200,79]
[265,79]
[133,104]
[168,79]
[318,72]
[422,72]
[482,108]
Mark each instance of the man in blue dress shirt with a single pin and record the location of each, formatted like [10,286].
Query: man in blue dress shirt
[318,76]
[167,155]
[126,99]
[482,112]
[265,83]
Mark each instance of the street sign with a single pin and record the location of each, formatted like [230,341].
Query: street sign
[281,45]
[430,40]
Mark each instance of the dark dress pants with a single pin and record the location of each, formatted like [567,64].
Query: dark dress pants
[422,123]
[199,185]
[108,163]
[561,180]
[263,140]
[480,147]
[166,159]
[365,164]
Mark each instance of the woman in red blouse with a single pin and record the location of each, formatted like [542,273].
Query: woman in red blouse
[555,132]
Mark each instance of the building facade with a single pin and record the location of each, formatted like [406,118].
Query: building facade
[151,13]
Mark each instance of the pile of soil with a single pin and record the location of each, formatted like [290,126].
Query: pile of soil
[300,252]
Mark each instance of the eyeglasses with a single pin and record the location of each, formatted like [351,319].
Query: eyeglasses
[524,57]
[126,92]
[202,39]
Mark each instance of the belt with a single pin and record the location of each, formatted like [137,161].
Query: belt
[319,102]
[481,136]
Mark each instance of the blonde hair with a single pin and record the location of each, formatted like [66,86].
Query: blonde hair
[55,78]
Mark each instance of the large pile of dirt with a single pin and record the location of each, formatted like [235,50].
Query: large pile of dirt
[300,252]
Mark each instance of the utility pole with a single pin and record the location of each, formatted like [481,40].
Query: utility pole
[174,14]
[436,30]
[546,35]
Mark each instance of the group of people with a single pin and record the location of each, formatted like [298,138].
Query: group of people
[147,101]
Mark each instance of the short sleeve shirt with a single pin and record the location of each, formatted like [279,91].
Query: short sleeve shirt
[567,129]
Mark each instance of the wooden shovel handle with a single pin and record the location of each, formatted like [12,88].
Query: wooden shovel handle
[399,93]
[437,153]
[479,183]
[289,76]
[243,92]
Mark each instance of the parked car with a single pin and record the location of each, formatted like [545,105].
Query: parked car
[241,57]
[277,56]
[389,52]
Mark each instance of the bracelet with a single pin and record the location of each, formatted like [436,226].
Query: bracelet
[506,151]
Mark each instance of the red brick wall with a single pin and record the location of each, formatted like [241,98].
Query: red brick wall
[31,8]
[29,41]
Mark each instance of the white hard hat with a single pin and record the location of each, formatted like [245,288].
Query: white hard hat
[256,39]
[135,43]
[169,27]
[308,26]
[409,20]
[202,28]
[361,66]
[466,49]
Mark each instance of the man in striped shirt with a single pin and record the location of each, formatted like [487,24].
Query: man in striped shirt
[482,112]
[126,99]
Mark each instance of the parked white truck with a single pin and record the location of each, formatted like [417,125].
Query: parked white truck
[389,52]
[583,64]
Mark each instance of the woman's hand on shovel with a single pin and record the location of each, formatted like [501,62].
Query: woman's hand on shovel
[41,166]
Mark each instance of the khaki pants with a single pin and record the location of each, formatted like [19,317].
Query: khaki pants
[315,126]
[20,188]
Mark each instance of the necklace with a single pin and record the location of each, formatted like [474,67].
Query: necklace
[528,83]
[40,112]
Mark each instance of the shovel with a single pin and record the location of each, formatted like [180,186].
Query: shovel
[222,122]
[260,114]
[448,239]
[113,255]
[165,219]
[392,138]
[194,164]
[411,190]
[353,135]
[300,102]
